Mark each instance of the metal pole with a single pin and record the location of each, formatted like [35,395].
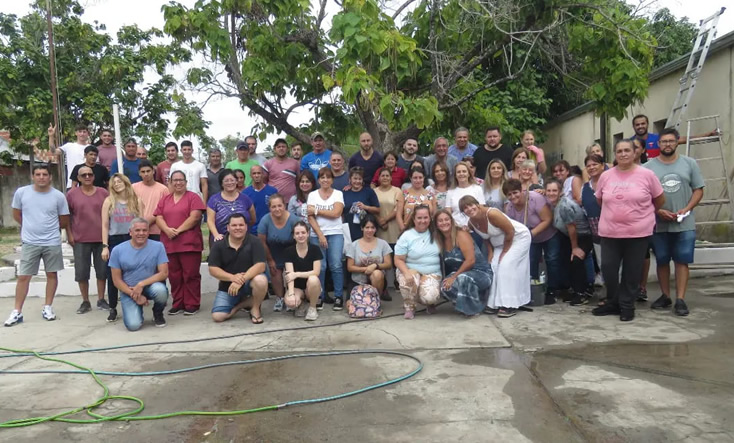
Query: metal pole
[118,137]
[54,92]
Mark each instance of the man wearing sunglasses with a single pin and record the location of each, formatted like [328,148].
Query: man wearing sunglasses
[85,208]
[101,175]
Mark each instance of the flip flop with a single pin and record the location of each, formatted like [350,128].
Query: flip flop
[256,320]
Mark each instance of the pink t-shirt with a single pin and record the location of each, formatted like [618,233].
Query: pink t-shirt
[162,171]
[627,210]
[151,195]
[282,176]
[107,156]
[86,214]
[175,214]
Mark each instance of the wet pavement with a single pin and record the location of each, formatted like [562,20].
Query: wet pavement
[557,374]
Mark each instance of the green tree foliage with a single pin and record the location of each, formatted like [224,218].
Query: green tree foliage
[398,70]
[674,37]
[93,72]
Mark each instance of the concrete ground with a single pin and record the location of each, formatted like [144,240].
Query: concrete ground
[557,374]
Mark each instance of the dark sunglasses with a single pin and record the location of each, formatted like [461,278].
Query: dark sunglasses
[86,175]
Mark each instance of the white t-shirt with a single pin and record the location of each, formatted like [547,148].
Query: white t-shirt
[453,197]
[329,226]
[194,171]
[258,158]
[73,155]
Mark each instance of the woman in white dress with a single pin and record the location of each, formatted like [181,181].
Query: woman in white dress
[464,184]
[508,245]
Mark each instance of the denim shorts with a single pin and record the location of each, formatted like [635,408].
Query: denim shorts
[678,246]
[223,302]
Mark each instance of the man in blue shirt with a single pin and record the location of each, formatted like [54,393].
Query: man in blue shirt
[40,210]
[640,123]
[259,193]
[130,162]
[461,147]
[319,157]
[139,271]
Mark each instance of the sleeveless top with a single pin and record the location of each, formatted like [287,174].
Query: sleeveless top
[120,219]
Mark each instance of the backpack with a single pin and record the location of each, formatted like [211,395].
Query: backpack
[364,302]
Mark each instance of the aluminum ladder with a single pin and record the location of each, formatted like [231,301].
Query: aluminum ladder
[706,34]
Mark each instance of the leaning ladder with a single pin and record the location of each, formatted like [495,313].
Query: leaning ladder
[706,34]
[725,198]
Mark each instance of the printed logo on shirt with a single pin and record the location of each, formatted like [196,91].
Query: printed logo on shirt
[317,164]
[671,183]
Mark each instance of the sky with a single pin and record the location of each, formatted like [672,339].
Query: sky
[226,115]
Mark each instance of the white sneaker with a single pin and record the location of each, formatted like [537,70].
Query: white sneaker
[15,318]
[48,313]
[301,309]
[598,280]
[312,314]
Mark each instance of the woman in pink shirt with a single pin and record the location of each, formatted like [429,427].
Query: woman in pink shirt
[628,195]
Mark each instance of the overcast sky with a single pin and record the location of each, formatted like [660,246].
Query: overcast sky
[226,116]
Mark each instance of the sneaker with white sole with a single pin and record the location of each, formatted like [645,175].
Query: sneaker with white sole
[599,281]
[312,314]
[48,313]
[301,309]
[84,308]
[279,305]
[102,305]
[15,318]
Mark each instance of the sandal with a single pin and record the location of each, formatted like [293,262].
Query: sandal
[602,302]
[256,320]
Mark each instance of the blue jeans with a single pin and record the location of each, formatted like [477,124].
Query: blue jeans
[556,268]
[333,259]
[132,313]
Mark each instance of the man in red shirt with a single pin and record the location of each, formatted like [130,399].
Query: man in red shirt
[163,170]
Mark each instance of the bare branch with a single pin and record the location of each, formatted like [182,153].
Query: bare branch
[400,9]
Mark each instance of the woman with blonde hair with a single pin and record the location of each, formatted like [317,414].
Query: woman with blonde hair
[464,184]
[528,142]
[493,181]
[118,210]
[529,179]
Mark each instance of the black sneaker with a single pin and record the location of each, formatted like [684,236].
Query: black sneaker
[386,295]
[84,308]
[642,295]
[175,311]
[550,298]
[188,312]
[627,315]
[113,315]
[338,304]
[580,299]
[490,311]
[506,312]
[320,305]
[681,308]
[159,320]
[328,300]
[102,305]
[608,309]
[663,302]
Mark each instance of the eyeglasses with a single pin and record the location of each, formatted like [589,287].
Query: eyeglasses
[86,175]
[667,142]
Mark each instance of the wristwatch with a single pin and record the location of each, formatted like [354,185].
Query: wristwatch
[105,246]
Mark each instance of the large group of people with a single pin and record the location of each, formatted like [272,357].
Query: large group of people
[471,224]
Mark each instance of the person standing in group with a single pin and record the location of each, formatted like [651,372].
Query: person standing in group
[302,270]
[240,176]
[297,152]
[101,175]
[359,201]
[197,180]
[85,206]
[594,164]
[464,184]
[462,147]
[467,276]
[418,263]
[495,177]
[222,205]
[150,192]
[399,175]
[259,193]
[529,178]
[282,170]
[440,154]
[369,257]
[179,217]
[276,232]
[367,158]
[251,141]
[243,162]
[163,170]
[214,171]
[492,149]
[41,211]
[130,162]
[391,202]
[107,150]
[675,231]
[629,195]
[306,183]
[415,195]
[139,270]
[409,154]
[341,176]
[508,244]
[441,183]
[73,152]
[319,157]
[528,142]
[142,153]
[519,156]
[120,207]
[324,208]
[571,183]
[238,262]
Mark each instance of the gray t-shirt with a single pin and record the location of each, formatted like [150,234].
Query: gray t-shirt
[40,212]
[362,258]
[568,211]
[679,179]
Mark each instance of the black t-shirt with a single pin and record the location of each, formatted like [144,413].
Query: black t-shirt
[101,175]
[234,261]
[304,264]
[482,158]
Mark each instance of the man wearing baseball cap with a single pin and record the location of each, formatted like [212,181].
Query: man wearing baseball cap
[243,161]
[319,157]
